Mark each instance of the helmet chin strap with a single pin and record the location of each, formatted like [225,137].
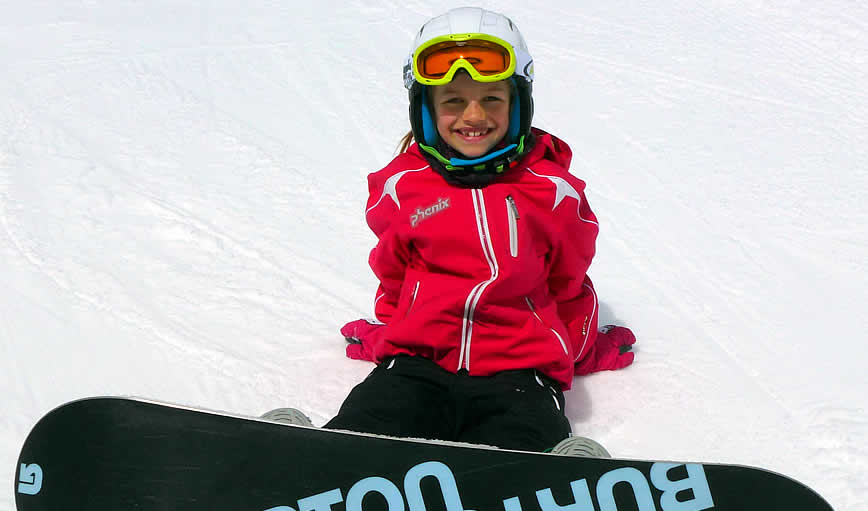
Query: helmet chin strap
[494,162]
[462,162]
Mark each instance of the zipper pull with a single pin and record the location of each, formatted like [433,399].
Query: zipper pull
[512,205]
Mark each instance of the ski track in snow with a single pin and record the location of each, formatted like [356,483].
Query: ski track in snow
[182,192]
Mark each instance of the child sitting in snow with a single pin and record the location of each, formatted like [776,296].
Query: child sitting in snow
[484,310]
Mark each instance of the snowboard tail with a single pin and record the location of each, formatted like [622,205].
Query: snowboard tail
[103,454]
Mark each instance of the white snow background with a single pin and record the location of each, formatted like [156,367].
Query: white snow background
[182,193]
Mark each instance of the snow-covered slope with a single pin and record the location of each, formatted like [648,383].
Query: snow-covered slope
[182,189]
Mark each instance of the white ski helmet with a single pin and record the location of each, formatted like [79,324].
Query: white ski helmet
[457,27]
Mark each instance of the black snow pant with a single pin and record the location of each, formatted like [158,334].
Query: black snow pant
[414,397]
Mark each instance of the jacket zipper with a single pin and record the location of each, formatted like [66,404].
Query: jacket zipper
[512,214]
[557,335]
[476,293]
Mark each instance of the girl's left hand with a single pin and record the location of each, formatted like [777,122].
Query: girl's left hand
[614,348]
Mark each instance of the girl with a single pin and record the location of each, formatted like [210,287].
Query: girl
[484,309]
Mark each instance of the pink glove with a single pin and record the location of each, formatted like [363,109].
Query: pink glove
[360,335]
[611,351]
[614,345]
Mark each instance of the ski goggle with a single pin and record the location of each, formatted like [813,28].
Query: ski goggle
[486,58]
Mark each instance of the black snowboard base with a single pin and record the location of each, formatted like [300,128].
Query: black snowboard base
[116,454]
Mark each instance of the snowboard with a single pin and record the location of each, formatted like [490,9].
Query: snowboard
[115,454]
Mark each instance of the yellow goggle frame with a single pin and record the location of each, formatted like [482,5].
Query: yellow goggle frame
[463,51]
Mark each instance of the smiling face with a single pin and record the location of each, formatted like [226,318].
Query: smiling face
[472,117]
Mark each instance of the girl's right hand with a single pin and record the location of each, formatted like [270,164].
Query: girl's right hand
[361,335]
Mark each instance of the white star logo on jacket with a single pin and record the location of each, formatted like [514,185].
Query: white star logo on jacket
[391,188]
[562,190]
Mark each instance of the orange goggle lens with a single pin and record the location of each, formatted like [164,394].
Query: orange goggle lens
[487,58]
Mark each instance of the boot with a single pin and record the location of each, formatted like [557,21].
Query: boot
[580,446]
[288,416]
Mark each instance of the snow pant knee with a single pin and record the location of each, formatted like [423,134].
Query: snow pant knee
[403,397]
[520,410]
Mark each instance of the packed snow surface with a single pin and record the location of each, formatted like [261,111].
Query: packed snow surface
[182,192]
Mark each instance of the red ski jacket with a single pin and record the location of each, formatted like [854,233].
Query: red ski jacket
[485,279]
